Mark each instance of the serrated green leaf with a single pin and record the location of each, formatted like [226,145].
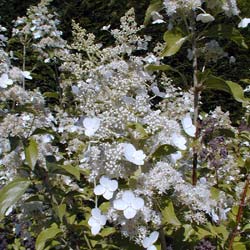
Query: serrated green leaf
[11,193]
[31,153]
[174,40]
[169,216]
[246,227]
[45,235]
[155,5]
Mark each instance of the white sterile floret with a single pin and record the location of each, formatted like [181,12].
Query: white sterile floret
[131,154]
[244,23]
[205,18]
[149,241]
[5,81]
[96,221]
[91,125]
[179,141]
[26,74]
[129,204]
[188,126]
[175,157]
[107,187]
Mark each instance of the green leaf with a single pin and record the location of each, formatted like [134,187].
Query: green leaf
[45,235]
[31,153]
[169,216]
[166,67]
[174,40]
[107,231]
[213,82]
[75,171]
[164,150]
[239,246]
[51,95]
[188,231]
[227,31]
[155,5]
[11,193]
[140,129]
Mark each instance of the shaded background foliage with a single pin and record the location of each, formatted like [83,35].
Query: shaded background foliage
[93,15]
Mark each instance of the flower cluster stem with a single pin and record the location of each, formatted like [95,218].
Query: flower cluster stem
[239,214]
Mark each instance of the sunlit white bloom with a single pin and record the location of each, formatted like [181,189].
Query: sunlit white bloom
[131,154]
[175,157]
[26,74]
[5,81]
[244,23]
[96,221]
[205,18]
[179,141]
[129,204]
[106,27]
[91,125]
[106,187]
[187,125]
[149,241]
[157,17]
[37,34]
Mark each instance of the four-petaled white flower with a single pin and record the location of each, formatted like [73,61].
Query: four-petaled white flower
[129,204]
[106,187]
[131,154]
[5,81]
[244,23]
[205,18]
[91,125]
[96,221]
[187,125]
[26,74]
[149,241]
[179,141]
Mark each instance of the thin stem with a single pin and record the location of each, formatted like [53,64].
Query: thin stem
[163,240]
[239,214]
[24,62]
[196,103]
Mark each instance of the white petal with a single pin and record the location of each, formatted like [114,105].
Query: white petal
[102,220]
[176,156]
[190,131]
[120,204]
[129,149]
[113,185]
[244,23]
[129,213]
[92,221]
[95,229]
[26,74]
[138,203]
[91,125]
[99,190]
[108,195]
[153,237]
[146,242]
[128,197]
[138,157]
[205,18]
[186,121]
[104,181]
[179,141]
[96,212]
